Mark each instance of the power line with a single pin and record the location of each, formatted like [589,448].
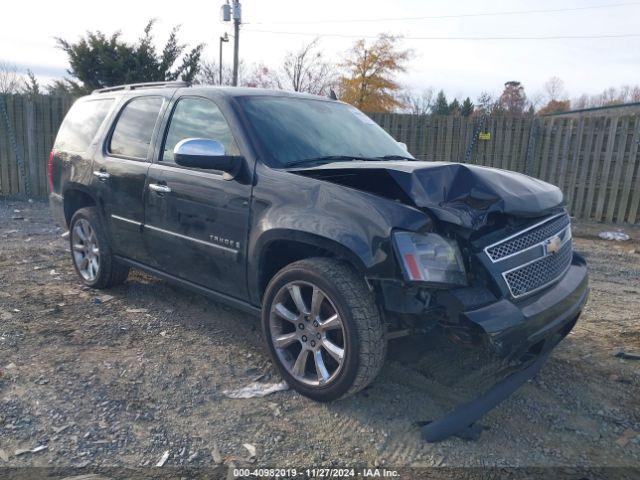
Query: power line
[549,37]
[462,15]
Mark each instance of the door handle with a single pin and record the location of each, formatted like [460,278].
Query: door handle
[101,174]
[156,187]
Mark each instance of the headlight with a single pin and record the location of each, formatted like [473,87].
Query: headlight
[430,258]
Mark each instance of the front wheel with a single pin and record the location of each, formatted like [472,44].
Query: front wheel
[323,329]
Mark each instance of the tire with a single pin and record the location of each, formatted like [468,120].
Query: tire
[109,272]
[346,319]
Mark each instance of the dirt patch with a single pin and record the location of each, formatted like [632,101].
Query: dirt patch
[119,377]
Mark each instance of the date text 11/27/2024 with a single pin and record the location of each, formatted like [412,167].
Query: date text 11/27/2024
[315,473]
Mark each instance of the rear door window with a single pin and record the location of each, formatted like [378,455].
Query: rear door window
[134,128]
[81,124]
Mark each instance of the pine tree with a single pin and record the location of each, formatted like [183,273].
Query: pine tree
[441,106]
[467,107]
[98,61]
[454,107]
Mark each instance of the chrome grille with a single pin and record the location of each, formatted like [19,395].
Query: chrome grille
[536,275]
[527,238]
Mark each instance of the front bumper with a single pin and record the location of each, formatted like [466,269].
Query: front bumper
[527,332]
[512,329]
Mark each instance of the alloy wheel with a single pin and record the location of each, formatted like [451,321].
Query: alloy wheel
[86,251]
[307,333]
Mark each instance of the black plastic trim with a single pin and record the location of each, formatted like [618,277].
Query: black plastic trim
[194,287]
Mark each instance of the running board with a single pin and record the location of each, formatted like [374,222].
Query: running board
[194,287]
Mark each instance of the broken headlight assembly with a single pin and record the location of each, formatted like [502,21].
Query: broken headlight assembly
[430,258]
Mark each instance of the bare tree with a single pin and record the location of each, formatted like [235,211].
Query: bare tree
[554,89]
[417,103]
[262,76]
[609,96]
[10,79]
[255,76]
[629,94]
[581,102]
[537,100]
[307,70]
[486,104]
[209,73]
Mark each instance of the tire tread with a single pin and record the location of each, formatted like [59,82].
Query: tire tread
[368,322]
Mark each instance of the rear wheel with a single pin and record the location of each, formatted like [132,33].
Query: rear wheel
[323,328]
[91,253]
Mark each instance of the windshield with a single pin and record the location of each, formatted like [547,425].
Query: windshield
[299,131]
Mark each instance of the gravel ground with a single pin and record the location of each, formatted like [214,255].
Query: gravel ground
[119,377]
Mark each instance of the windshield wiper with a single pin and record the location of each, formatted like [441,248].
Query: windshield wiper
[310,162]
[395,157]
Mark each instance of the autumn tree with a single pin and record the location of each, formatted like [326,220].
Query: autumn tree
[441,107]
[513,100]
[555,106]
[369,83]
[307,70]
[99,60]
[466,109]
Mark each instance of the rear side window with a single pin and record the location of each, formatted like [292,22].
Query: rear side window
[81,124]
[132,135]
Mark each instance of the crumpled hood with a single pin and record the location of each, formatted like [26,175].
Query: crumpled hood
[454,192]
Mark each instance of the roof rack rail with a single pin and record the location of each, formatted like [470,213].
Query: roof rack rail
[135,86]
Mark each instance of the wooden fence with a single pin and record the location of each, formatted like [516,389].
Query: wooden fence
[28,127]
[594,159]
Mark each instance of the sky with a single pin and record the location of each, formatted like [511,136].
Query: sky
[460,67]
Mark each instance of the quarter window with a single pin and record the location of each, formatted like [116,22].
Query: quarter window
[134,129]
[81,124]
[198,118]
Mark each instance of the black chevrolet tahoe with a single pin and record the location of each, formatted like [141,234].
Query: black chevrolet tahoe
[301,209]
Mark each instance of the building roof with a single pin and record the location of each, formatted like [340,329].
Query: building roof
[634,106]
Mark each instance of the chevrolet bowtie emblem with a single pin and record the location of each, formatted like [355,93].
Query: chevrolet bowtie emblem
[553,245]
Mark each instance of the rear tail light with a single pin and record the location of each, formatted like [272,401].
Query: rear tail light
[50,170]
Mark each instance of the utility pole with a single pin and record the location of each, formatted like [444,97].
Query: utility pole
[237,17]
[228,12]
[224,38]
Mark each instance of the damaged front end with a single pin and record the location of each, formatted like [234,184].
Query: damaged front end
[495,269]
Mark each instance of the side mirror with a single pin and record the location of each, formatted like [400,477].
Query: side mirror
[404,146]
[207,154]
